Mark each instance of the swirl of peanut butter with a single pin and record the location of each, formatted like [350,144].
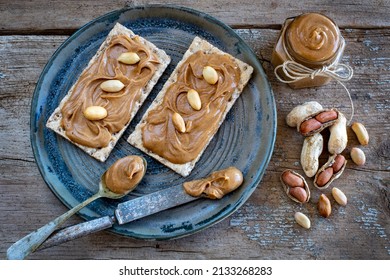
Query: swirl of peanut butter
[124,175]
[159,134]
[216,185]
[312,38]
[119,105]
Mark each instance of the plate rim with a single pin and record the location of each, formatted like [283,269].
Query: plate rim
[267,157]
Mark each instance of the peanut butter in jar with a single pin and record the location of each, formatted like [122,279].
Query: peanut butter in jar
[312,40]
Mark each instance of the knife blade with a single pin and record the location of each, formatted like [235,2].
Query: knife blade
[125,212]
[152,203]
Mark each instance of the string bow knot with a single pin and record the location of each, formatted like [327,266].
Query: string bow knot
[296,71]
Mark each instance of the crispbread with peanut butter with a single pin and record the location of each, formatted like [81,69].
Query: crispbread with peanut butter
[98,137]
[174,130]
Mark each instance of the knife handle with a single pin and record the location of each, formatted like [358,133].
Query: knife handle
[76,231]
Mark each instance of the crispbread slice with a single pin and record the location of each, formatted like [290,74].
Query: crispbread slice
[197,44]
[101,154]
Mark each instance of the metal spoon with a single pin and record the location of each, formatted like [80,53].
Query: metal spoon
[28,244]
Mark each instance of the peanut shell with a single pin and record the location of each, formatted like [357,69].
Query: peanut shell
[301,112]
[311,150]
[338,138]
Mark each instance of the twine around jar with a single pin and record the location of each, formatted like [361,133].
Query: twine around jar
[296,71]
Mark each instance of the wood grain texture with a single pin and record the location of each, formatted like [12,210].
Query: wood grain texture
[264,228]
[64,17]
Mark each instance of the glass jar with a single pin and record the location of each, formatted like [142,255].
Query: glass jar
[312,40]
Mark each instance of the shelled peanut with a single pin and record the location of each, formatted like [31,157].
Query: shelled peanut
[302,220]
[112,86]
[324,206]
[339,196]
[129,58]
[210,75]
[178,122]
[194,99]
[95,113]
[358,156]
[361,133]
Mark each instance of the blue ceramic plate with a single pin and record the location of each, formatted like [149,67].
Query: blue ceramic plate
[245,140]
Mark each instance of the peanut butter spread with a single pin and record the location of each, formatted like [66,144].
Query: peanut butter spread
[124,175]
[119,105]
[160,136]
[216,185]
[312,38]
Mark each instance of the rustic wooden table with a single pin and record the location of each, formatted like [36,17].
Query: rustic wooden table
[264,227]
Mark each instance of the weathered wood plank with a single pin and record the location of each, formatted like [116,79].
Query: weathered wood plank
[64,17]
[264,227]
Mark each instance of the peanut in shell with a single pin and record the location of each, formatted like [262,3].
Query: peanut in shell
[335,162]
[317,122]
[299,193]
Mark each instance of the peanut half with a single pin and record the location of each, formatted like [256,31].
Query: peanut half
[339,196]
[210,75]
[112,85]
[302,111]
[194,99]
[361,133]
[178,122]
[129,58]
[95,113]
[302,220]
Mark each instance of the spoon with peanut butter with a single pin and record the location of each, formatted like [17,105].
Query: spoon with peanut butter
[120,179]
